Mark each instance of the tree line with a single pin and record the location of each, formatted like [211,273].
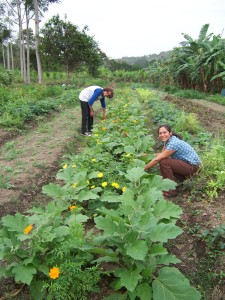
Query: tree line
[59,45]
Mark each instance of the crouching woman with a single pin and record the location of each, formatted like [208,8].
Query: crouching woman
[177,160]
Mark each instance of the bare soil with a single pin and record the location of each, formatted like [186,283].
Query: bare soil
[30,160]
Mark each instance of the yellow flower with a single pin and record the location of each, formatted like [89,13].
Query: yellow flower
[93,159]
[103,128]
[74,166]
[104,184]
[128,154]
[88,181]
[28,229]
[116,185]
[93,186]
[135,121]
[65,166]
[124,189]
[72,207]
[54,273]
[96,134]
[100,175]
[74,185]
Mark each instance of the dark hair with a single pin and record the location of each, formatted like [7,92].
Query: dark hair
[170,130]
[109,90]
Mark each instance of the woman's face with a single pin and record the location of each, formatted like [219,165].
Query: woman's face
[164,134]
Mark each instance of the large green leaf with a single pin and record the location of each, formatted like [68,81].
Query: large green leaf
[129,278]
[106,224]
[53,190]
[135,174]
[164,232]
[15,223]
[165,210]
[87,195]
[137,250]
[172,285]
[144,291]
[24,273]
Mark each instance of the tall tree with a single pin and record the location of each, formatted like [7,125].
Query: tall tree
[63,42]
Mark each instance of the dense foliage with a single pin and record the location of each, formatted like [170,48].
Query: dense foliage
[62,43]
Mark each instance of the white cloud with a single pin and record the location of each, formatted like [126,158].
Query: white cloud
[137,28]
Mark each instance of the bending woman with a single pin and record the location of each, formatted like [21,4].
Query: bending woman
[177,158]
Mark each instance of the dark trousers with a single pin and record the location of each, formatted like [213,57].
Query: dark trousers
[87,120]
[173,168]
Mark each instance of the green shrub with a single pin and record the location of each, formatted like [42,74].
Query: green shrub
[5,77]
[190,94]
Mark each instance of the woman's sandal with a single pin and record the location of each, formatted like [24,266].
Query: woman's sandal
[170,194]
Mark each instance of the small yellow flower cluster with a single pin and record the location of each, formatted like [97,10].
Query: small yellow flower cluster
[93,160]
[65,166]
[54,273]
[116,185]
[93,186]
[74,185]
[104,184]
[124,189]
[100,175]
[72,207]
[28,229]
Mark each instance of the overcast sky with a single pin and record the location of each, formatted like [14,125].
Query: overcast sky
[137,28]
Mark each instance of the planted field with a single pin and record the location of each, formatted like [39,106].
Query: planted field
[82,210]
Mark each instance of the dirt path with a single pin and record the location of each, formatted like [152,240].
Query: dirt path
[214,106]
[210,115]
[31,160]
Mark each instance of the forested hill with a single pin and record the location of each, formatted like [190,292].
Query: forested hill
[143,60]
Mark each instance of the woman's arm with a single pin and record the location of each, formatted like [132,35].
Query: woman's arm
[164,154]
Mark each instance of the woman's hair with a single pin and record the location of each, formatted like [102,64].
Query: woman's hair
[168,128]
[109,90]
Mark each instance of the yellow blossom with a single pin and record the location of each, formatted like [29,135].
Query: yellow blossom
[74,185]
[96,134]
[65,166]
[88,181]
[116,185]
[93,186]
[72,207]
[100,175]
[104,184]
[28,229]
[128,154]
[73,166]
[93,159]
[124,189]
[54,273]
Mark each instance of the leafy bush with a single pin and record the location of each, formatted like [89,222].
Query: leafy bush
[190,94]
[5,77]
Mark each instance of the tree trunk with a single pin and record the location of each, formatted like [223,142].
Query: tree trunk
[20,38]
[37,41]
[3,55]
[8,56]
[12,57]
[28,49]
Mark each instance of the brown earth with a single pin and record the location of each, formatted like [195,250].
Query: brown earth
[32,159]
